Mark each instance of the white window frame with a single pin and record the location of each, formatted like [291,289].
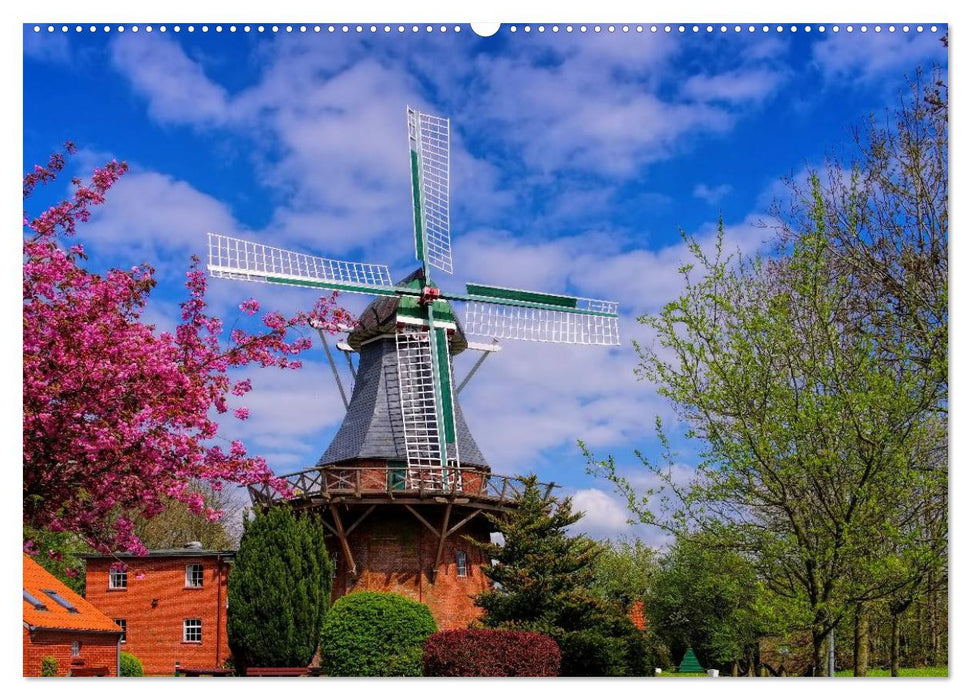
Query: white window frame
[123,623]
[195,626]
[112,586]
[75,649]
[189,583]
[461,564]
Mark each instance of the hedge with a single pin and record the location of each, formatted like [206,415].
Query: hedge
[375,634]
[490,653]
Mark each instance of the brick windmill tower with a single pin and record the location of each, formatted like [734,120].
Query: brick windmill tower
[403,481]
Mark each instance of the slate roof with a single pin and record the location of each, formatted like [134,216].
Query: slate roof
[372,427]
[54,615]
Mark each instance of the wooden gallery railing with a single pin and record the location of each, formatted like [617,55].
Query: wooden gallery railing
[395,482]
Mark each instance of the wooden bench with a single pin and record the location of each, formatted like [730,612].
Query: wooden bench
[282,671]
[89,671]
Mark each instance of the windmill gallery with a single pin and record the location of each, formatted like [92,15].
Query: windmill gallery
[403,486]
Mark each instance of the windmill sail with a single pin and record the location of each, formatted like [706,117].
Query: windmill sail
[426,438]
[428,140]
[515,314]
[234,258]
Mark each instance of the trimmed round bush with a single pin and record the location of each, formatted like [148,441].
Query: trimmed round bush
[131,666]
[375,634]
[491,653]
[48,666]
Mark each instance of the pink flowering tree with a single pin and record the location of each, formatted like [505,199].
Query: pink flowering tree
[118,417]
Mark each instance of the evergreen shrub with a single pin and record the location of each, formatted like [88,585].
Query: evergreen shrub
[279,591]
[491,653]
[375,634]
[131,666]
[48,666]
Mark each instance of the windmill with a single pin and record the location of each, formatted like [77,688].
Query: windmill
[404,409]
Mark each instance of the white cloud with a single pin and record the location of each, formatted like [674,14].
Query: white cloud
[860,57]
[604,514]
[151,216]
[176,87]
[711,195]
[46,46]
[742,86]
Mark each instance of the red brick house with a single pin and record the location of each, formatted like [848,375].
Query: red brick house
[171,603]
[60,624]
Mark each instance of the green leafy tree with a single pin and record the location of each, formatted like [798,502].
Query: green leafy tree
[707,598]
[58,553]
[814,444]
[178,524]
[624,572]
[544,578]
[279,590]
[375,634]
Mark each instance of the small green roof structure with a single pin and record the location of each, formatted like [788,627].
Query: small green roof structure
[689,664]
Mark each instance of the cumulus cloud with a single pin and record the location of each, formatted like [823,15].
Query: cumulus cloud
[176,87]
[603,513]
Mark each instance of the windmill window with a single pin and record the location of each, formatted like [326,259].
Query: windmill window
[193,576]
[192,630]
[67,605]
[397,473]
[75,648]
[38,605]
[124,630]
[461,566]
[117,580]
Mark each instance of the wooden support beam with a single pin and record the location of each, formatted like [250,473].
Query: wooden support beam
[358,521]
[351,566]
[455,528]
[329,527]
[441,540]
[421,519]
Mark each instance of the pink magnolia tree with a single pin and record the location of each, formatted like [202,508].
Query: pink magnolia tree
[119,416]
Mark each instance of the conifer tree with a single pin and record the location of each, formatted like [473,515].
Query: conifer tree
[279,590]
[544,577]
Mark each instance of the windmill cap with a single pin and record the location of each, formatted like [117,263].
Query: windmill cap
[381,318]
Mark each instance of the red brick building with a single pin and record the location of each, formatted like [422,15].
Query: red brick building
[171,603]
[60,624]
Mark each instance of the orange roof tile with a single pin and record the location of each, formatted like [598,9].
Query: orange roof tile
[36,580]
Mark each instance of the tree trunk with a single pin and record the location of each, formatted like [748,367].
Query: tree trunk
[894,643]
[734,668]
[819,651]
[861,641]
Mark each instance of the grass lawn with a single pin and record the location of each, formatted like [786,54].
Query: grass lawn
[935,671]
[904,672]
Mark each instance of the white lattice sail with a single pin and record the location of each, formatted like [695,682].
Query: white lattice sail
[504,322]
[419,410]
[234,258]
[429,138]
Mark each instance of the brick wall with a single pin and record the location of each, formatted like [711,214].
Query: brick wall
[395,553]
[155,629]
[96,650]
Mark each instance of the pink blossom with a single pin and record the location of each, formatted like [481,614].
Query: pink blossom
[117,416]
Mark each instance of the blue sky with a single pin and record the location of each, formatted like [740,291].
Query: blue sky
[576,158]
